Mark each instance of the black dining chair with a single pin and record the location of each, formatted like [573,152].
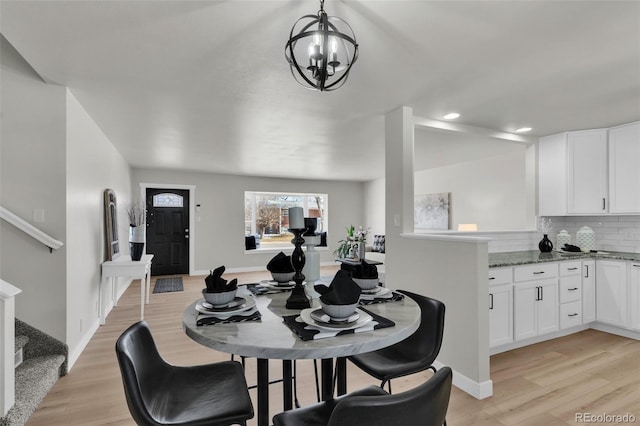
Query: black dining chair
[159,393]
[424,405]
[412,355]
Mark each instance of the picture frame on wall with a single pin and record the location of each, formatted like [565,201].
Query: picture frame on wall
[111,224]
[432,211]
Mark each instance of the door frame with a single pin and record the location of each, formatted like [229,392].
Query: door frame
[192,207]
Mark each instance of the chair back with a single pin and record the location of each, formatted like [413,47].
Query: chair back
[425,343]
[142,370]
[424,405]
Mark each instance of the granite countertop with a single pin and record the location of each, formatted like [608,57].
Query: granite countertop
[513,258]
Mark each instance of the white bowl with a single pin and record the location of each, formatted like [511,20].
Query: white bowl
[282,277]
[366,283]
[338,312]
[219,299]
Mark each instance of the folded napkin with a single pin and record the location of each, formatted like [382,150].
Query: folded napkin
[365,270]
[249,315]
[308,332]
[342,290]
[216,284]
[391,297]
[280,263]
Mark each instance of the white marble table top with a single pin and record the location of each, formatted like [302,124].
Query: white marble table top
[272,339]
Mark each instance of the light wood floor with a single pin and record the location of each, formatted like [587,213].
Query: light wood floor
[543,384]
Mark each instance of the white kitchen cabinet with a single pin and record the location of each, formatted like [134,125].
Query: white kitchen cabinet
[500,306]
[634,295]
[535,308]
[552,175]
[588,291]
[611,292]
[624,169]
[587,172]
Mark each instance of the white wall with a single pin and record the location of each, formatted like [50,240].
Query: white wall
[33,166]
[219,232]
[374,214]
[93,165]
[491,192]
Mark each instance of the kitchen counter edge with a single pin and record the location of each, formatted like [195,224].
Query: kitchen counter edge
[514,258]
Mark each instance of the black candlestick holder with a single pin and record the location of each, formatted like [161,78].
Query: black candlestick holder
[298,298]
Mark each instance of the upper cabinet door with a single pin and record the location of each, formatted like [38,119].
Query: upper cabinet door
[624,169]
[587,172]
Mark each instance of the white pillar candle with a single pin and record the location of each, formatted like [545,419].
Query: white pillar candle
[296,218]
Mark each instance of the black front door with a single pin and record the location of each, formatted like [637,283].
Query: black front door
[168,230]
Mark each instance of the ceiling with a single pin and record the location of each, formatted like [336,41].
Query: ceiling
[203,85]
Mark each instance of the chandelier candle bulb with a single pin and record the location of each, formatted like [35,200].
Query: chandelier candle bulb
[296,218]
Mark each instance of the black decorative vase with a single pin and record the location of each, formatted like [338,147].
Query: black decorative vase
[136,250]
[545,245]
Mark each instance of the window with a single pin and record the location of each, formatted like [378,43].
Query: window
[266,216]
[167,200]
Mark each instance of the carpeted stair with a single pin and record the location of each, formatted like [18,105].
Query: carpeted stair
[45,360]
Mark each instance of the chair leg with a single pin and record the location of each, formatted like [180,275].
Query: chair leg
[388,382]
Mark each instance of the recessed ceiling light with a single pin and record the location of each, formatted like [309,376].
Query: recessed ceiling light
[523,129]
[451,116]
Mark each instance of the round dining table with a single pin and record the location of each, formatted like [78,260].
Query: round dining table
[270,338]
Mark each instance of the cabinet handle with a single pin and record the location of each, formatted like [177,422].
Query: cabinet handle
[541,293]
[572,269]
[492,278]
[490,301]
[538,293]
[636,266]
[572,289]
[587,266]
[538,273]
[573,314]
[604,203]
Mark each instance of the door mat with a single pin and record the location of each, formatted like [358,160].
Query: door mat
[166,285]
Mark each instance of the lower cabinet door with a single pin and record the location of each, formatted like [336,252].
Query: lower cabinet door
[548,307]
[500,315]
[525,306]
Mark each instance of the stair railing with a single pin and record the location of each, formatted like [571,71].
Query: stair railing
[8,293]
[29,229]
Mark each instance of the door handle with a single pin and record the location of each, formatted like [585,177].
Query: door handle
[186,237]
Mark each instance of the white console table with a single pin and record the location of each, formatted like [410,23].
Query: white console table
[123,266]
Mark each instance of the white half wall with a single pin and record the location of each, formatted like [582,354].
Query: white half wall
[452,269]
[374,210]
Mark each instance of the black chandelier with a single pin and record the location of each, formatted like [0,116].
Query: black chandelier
[329,51]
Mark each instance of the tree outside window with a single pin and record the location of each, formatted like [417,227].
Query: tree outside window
[266,215]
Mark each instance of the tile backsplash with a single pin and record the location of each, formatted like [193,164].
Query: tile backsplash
[613,233]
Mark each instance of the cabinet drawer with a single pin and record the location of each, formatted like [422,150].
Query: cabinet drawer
[570,268]
[570,314]
[535,272]
[500,276]
[570,289]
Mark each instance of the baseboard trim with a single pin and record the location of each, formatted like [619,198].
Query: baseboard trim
[478,390]
[615,330]
[75,352]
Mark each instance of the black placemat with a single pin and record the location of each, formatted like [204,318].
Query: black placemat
[210,319]
[257,289]
[299,328]
[395,298]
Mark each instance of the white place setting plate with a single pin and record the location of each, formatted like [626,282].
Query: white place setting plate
[375,293]
[245,303]
[363,319]
[274,285]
